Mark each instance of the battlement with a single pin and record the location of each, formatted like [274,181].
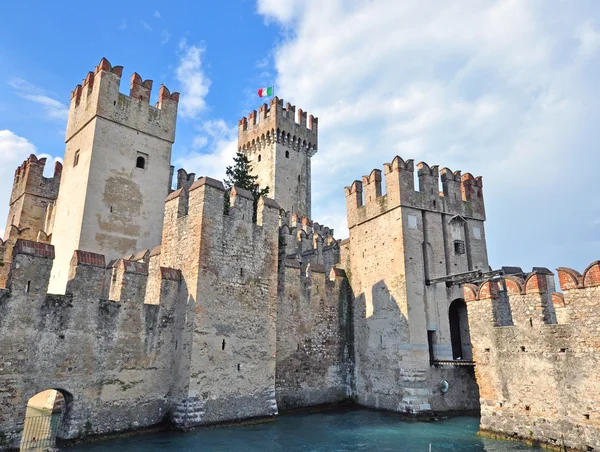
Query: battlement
[461,195]
[274,123]
[191,202]
[532,300]
[99,96]
[308,242]
[29,178]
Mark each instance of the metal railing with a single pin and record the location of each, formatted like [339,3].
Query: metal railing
[40,431]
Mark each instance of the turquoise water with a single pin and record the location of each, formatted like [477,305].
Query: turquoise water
[360,430]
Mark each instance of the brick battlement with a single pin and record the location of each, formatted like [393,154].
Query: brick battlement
[29,178]
[273,122]
[537,353]
[462,194]
[309,243]
[99,96]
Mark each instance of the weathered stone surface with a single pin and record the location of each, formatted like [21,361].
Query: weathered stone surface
[539,380]
[397,242]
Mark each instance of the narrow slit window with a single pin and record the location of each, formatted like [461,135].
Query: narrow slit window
[223,345]
[287,154]
[259,157]
[28,287]
[76,158]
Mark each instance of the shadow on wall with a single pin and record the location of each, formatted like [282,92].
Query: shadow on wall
[380,327]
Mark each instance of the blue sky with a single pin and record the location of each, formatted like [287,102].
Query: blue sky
[504,89]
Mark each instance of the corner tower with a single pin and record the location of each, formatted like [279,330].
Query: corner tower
[116,171]
[280,148]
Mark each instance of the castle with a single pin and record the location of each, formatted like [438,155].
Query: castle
[143,304]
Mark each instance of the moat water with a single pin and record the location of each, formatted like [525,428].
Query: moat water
[360,430]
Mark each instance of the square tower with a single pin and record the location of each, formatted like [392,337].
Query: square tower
[280,149]
[402,243]
[117,169]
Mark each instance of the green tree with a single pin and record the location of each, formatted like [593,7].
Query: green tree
[239,175]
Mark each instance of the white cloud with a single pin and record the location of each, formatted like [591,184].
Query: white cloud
[223,146]
[157,14]
[589,38]
[13,150]
[146,26]
[165,36]
[195,83]
[53,108]
[493,88]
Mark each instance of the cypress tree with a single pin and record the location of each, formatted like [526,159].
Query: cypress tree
[239,175]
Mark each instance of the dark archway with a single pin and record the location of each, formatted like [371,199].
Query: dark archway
[459,330]
[43,418]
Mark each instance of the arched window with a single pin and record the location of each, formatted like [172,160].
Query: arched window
[459,330]
[259,157]
[287,154]
[140,162]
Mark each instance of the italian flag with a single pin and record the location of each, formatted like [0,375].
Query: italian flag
[265,92]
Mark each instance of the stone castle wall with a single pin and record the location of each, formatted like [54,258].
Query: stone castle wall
[107,349]
[134,342]
[398,242]
[30,208]
[537,355]
[314,336]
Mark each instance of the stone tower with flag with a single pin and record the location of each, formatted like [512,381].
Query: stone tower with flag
[280,143]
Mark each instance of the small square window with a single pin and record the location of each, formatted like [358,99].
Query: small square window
[459,247]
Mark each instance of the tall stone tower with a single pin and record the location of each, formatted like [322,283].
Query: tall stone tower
[117,171]
[411,326]
[280,149]
[31,206]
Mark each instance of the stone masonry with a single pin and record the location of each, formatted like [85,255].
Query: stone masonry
[30,215]
[280,149]
[538,354]
[399,241]
[142,304]
[116,169]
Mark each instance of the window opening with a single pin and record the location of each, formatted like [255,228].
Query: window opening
[287,154]
[259,157]
[459,247]
[76,158]
[140,162]
[223,345]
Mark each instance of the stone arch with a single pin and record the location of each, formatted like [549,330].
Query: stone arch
[46,419]
[460,336]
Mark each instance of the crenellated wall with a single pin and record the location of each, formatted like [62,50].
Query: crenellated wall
[314,335]
[399,241]
[30,209]
[107,350]
[226,362]
[537,356]
[308,242]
